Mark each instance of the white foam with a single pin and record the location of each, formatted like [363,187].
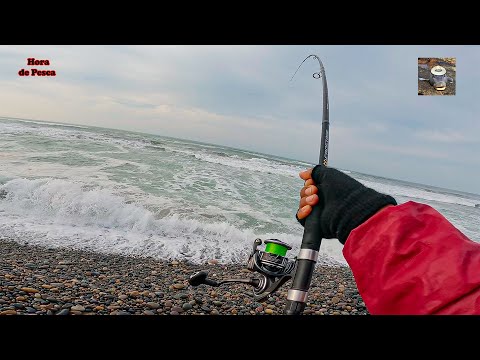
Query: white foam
[256,164]
[67,202]
[53,212]
[411,193]
[253,164]
[70,134]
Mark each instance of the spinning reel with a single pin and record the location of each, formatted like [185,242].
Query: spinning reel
[271,265]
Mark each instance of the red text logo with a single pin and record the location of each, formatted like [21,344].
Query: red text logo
[37,72]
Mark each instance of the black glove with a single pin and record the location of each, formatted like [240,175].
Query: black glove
[345,203]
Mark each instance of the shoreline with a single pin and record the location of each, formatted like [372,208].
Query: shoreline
[36,280]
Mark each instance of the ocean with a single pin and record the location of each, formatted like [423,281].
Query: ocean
[136,194]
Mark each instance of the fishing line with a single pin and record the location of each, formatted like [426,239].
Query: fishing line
[316,75]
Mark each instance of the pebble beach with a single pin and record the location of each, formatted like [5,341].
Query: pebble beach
[60,281]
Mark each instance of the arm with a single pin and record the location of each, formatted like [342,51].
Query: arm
[406,259]
[409,259]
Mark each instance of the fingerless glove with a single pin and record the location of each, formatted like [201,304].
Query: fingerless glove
[345,203]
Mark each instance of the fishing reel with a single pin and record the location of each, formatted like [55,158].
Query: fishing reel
[271,266]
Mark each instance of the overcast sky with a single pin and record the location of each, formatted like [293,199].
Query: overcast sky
[241,96]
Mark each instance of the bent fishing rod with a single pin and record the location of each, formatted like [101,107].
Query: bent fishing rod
[271,267]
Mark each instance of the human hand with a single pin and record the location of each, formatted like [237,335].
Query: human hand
[344,202]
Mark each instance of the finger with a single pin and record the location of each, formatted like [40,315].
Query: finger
[304,212]
[309,200]
[308,190]
[306,174]
[309,182]
[302,191]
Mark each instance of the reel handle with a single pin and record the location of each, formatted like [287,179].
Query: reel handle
[201,278]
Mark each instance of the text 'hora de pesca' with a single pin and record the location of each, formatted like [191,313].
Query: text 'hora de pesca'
[37,72]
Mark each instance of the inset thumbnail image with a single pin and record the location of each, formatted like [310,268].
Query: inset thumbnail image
[437,76]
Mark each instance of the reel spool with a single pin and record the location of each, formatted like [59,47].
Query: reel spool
[438,78]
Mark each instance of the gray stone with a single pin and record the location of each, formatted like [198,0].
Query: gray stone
[63,312]
[180,296]
[77,308]
[153,305]
[187,306]
[123,313]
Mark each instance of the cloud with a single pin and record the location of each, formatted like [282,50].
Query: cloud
[445,136]
[133,103]
[242,96]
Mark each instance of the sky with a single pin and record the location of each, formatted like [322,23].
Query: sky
[241,96]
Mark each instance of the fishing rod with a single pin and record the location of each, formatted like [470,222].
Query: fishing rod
[312,236]
[271,267]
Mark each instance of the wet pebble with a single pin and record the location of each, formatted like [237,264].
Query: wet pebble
[153,305]
[187,306]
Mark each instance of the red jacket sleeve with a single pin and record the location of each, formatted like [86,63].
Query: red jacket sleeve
[409,259]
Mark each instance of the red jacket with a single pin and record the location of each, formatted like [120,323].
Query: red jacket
[409,259]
